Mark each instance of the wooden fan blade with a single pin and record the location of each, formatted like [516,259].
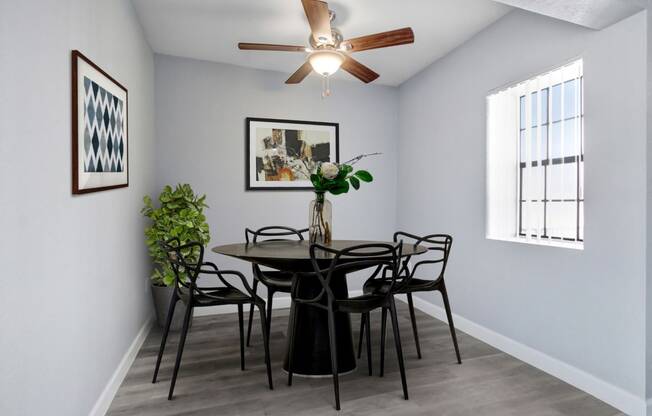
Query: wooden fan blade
[269,47]
[358,70]
[380,40]
[301,73]
[319,20]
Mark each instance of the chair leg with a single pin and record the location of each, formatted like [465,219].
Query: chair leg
[449,315]
[397,341]
[368,339]
[173,303]
[414,324]
[333,348]
[182,341]
[251,313]
[291,334]
[241,325]
[363,319]
[383,334]
[270,299]
[263,320]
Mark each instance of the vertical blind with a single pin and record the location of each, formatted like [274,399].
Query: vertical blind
[535,162]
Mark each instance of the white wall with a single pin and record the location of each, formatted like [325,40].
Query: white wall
[200,120]
[74,269]
[584,308]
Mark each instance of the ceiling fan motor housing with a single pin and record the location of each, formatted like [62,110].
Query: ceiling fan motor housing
[336,34]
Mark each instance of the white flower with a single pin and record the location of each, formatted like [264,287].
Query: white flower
[329,170]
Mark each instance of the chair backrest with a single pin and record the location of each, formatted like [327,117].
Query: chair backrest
[437,244]
[382,256]
[185,261]
[271,233]
[274,233]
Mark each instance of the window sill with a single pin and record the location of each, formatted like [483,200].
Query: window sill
[575,245]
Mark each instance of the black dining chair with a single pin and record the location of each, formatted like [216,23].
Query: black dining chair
[186,274]
[354,258]
[273,280]
[440,244]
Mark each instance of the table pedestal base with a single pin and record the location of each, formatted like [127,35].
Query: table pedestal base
[311,349]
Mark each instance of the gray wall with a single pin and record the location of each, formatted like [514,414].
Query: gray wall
[648,286]
[200,120]
[73,268]
[585,308]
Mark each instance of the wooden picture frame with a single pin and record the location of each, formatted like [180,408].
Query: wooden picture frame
[281,154]
[100,132]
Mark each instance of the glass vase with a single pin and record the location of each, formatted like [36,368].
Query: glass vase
[320,220]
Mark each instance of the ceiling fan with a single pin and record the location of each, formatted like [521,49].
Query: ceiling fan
[329,51]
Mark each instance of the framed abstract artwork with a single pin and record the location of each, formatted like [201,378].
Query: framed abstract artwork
[100,142]
[281,154]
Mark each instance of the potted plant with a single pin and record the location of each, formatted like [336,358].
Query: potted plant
[180,214]
[336,178]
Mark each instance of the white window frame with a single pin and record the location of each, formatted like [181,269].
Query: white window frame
[504,167]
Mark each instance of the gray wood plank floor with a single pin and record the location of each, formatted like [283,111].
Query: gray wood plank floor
[489,382]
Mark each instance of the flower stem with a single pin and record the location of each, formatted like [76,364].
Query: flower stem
[321,229]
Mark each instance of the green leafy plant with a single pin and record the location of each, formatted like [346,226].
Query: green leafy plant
[180,215]
[338,178]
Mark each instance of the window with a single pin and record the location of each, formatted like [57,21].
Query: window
[535,159]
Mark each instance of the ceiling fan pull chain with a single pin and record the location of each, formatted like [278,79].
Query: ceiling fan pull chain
[326,90]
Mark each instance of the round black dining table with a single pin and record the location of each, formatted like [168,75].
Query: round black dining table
[311,351]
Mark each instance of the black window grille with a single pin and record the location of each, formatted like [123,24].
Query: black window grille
[551,165]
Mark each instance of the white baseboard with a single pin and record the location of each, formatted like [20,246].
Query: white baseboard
[607,392]
[104,401]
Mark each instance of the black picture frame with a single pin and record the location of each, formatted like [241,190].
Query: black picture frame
[86,181]
[250,183]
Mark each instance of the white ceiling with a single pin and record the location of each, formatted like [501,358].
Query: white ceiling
[595,14]
[210,30]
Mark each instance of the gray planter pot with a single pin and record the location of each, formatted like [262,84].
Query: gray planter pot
[162,295]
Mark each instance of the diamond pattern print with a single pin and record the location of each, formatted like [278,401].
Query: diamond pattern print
[103,129]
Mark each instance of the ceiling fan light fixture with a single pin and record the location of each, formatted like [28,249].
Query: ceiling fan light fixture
[326,62]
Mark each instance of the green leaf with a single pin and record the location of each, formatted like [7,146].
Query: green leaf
[344,171]
[364,176]
[354,182]
[340,188]
[168,279]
